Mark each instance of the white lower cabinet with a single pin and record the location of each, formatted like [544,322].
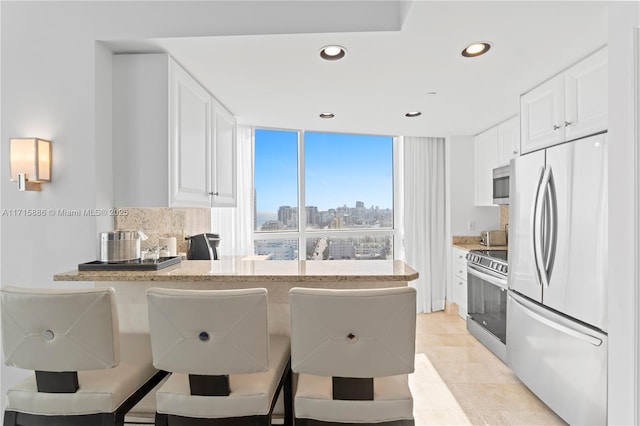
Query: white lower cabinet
[459,276]
[174,144]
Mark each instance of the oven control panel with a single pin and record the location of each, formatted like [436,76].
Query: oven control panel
[494,260]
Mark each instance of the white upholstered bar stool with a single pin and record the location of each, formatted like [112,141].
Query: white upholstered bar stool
[353,351]
[226,369]
[86,373]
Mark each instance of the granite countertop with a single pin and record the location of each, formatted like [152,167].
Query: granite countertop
[477,246]
[472,243]
[248,269]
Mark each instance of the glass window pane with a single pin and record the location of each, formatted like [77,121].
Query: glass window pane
[354,248]
[276,180]
[348,181]
[277,249]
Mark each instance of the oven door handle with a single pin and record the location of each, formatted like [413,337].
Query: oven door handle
[477,272]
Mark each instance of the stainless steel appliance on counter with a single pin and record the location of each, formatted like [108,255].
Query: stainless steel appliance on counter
[487,298]
[557,305]
[120,246]
[493,238]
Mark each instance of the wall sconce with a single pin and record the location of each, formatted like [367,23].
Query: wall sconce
[30,162]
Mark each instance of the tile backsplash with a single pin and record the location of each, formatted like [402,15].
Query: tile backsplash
[159,222]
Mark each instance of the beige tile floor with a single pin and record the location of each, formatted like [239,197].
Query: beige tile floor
[458,381]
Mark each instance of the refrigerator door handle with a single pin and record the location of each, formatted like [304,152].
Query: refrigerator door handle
[539,222]
[561,328]
[551,223]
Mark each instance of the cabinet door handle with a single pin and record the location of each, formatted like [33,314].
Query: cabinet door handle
[515,152]
[213,193]
[567,123]
[556,127]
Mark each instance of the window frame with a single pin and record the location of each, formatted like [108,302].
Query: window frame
[302,234]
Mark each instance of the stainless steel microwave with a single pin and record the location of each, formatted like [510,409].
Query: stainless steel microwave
[501,185]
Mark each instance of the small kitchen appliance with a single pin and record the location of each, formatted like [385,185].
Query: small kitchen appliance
[493,238]
[120,246]
[203,246]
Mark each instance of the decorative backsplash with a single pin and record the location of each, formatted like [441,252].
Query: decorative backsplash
[159,222]
[504,216]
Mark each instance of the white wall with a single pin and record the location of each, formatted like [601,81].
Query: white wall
[623,216]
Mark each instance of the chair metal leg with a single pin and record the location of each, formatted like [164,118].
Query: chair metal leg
[162,419]
[288,398]
[9,418]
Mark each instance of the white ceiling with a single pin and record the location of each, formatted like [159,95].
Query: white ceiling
[279,80]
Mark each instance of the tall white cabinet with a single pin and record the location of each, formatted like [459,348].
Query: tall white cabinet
[570,105]
[174,143]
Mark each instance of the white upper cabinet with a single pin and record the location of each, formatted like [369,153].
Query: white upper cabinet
[223,172]
[493,148]
[189,140]
[542,115]
[508,141]
[174,144]
[485,146]
[586,88]
[571,105]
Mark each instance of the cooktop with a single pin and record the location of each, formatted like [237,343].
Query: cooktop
[495,260]
[493,254]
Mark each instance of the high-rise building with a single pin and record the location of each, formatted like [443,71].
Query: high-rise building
[286,215]
[313,217]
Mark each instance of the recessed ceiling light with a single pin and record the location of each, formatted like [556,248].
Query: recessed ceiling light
[413,114]
[476,49]
[333,52]
[327,115]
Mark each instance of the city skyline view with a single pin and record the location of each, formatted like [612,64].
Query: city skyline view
[339,170]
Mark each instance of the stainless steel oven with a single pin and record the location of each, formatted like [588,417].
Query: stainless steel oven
[487,298]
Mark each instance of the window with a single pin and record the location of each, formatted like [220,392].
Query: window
[344,182]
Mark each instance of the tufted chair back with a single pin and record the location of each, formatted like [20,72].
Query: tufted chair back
[59,330]
[353,333]
[191,328]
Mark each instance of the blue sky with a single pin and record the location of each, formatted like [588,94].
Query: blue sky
[340,169]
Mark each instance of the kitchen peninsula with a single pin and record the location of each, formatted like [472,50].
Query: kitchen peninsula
[234,272]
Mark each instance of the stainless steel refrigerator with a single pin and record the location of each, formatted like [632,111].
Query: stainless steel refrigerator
[557,304]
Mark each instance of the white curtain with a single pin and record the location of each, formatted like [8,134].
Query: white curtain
[424,217]
[235,224]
